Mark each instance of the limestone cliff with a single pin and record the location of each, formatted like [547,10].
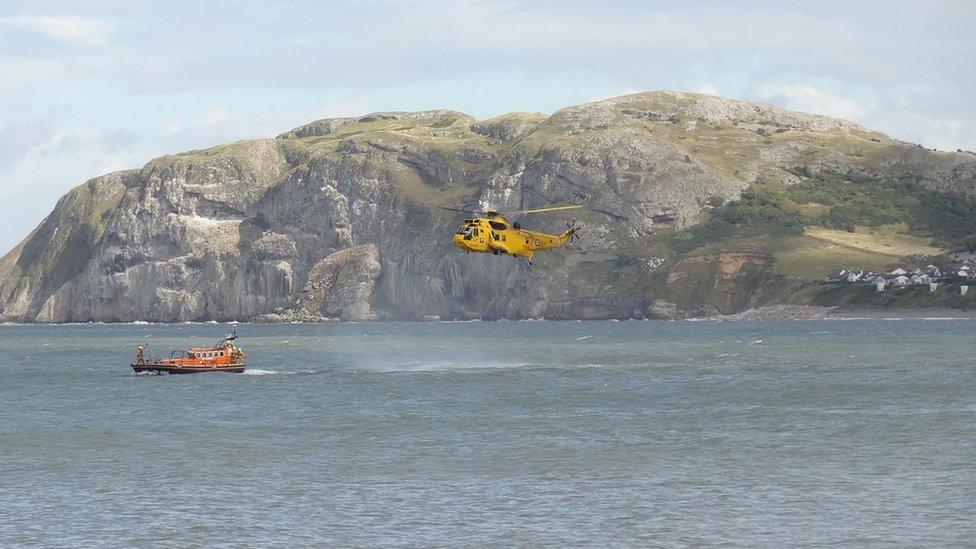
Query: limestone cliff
[331,218]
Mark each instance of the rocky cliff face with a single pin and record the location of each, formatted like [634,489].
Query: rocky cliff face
[332,219]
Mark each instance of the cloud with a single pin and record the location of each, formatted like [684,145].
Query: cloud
[51,157]
[617,93]
[220,124]
[19,138]
[707,89]
[182,74]
[807,98]
[85,31]
[217,115]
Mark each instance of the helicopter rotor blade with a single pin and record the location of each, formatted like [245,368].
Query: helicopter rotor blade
[458,210]
[540,210]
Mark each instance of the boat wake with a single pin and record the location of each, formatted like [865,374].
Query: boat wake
[476,367]
[260,372]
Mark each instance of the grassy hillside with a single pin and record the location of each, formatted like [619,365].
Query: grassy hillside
[792,235]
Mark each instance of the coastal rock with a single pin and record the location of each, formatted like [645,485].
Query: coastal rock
[341,284]
[782,312]
[663,310]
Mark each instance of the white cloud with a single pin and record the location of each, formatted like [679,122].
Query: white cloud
[601,97]
[54,158]
[185,74]
[85,31]
[216,115]
[707,89]
[806,98]
[172,127]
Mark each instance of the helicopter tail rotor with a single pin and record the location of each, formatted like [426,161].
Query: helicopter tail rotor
[573,229]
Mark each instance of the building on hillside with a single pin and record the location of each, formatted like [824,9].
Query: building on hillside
[854,276]
[898,272]
[840,275]
[878,281]
[921,279]
[899,280]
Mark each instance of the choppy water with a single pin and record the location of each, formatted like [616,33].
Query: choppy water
[530,433]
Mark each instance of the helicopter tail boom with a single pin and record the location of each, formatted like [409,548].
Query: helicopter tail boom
[542,241]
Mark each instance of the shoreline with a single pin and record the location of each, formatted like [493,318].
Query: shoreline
[813,312]
[906,314]
[767,313]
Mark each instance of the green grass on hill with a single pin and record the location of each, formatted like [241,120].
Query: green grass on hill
[769,215]
[823,223]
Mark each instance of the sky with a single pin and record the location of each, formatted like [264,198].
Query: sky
[90,87]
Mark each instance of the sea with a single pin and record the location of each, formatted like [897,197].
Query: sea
[482,434]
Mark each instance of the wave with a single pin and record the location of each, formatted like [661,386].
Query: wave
[259,372]
[475,367]
[898,318]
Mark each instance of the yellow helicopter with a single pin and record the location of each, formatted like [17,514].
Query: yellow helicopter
[495,234]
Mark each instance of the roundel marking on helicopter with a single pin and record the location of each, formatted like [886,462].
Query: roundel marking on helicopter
[537,242]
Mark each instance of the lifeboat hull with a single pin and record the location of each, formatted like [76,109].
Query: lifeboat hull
[151,368]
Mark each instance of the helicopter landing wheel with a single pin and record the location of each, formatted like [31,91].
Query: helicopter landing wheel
[494,252]
[530,262]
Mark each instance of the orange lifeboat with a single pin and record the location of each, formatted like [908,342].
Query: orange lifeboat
[222,357]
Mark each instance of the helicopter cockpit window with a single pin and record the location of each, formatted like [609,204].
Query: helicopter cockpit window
[465,232]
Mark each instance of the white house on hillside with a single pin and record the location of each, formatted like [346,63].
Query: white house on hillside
[900,280]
